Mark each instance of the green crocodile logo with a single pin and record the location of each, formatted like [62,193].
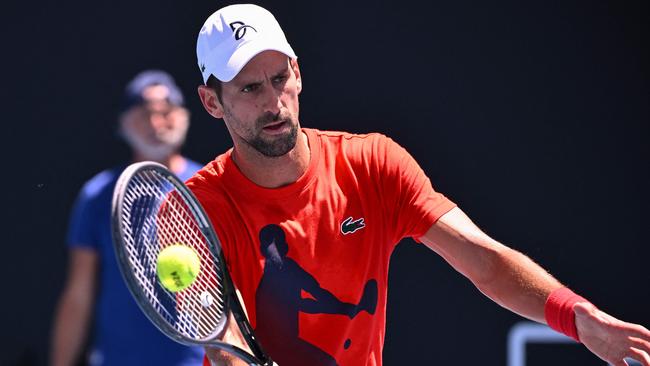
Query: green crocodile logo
[348,226]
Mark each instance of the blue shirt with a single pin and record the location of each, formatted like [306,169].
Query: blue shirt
[123,334]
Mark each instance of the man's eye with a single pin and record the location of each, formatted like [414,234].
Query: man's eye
[250,88]
[279,79]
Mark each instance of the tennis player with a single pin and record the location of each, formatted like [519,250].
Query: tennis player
[308,219]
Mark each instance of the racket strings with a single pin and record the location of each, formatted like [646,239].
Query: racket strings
[179,226]
[141,245]
[155,215]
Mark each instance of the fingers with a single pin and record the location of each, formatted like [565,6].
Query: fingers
[642,332]
[640,356]
[641,344]
[639,350]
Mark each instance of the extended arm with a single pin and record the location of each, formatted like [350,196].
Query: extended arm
[515,282]
[74,309]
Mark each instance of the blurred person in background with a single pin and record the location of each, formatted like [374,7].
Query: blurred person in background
[154,123]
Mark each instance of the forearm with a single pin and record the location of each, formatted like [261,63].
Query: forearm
[70,329]
[74,310]
[518,284]
[506,276]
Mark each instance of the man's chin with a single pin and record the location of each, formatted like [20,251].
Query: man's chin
[276,146]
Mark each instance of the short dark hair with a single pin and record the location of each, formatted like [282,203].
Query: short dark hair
[215,84]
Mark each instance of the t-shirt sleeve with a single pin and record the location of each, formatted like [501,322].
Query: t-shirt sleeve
[82,227]
[411,205]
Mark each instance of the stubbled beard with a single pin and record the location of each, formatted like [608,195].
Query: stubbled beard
[279,145]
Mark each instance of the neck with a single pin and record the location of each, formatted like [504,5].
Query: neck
[175,162]
[274,172]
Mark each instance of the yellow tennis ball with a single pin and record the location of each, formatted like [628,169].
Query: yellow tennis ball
[177,267]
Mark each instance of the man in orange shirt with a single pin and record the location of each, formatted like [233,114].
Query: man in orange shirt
[308,219]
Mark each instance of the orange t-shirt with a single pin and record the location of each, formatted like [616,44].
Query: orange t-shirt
[311,258]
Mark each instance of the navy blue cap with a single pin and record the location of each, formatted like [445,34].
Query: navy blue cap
[135,88]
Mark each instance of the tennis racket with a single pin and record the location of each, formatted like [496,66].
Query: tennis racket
[153,209]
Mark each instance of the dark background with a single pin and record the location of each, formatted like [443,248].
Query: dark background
[532,116]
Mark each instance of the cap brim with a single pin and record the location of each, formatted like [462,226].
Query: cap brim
[245,53]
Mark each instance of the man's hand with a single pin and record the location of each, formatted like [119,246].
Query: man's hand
[232,336]
[611,339]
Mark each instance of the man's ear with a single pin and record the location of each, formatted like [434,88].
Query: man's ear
[296,71]
[210,101]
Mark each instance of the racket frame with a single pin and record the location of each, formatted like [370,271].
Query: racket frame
[231,303]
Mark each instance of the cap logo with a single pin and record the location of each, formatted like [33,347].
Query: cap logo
[240,29]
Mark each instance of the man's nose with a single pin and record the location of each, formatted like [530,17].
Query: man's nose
[157,120]
[272,100]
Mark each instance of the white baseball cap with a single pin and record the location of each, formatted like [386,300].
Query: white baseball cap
[233,35]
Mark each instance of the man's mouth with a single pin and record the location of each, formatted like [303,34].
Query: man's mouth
[275,126]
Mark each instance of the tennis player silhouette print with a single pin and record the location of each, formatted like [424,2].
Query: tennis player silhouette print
[279,302]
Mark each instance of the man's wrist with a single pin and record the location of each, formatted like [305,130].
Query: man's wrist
[558,311]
